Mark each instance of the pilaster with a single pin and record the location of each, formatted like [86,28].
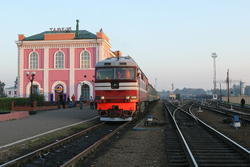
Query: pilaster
[72,71]
[46,74]
[20,71]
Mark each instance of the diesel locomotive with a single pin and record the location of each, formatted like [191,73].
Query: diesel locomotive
[121,89]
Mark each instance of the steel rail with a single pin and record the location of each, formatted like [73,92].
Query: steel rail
[222,136]
[191,160]
[29,156]
[227,112]
[72,162]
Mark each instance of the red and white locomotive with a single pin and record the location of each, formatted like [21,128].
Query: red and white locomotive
[121,89]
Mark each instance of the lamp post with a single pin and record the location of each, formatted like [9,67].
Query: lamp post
[31,78]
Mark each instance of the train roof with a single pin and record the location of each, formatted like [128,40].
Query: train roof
[116,61]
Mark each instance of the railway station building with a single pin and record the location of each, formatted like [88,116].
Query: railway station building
[63,61]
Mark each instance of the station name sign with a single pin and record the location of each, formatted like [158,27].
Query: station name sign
[60,29]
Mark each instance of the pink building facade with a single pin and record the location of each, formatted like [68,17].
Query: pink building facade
[63,60]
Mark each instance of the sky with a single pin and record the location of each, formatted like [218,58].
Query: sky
[171,40]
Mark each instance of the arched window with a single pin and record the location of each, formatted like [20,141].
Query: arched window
[85,92]
[33,60]
[59,60]
[85,59]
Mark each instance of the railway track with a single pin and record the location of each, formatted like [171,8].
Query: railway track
[205,146]
[69,151]
[227,112]
[175,152]
[246,109]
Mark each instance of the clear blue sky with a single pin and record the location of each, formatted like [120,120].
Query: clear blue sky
[171,40]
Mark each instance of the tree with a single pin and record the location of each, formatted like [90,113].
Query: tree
[2,84]
[236,90]
[15,83]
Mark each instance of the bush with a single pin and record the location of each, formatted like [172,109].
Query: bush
[37,97]
[5,103]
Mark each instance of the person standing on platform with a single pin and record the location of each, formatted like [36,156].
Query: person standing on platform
[62,100]
[91,100]
[242,102]
[81,101]
[58,102]
[73,100]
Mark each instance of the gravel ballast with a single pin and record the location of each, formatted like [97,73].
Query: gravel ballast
[134,147]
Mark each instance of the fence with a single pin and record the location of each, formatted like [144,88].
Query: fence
[237,99]
[35,106]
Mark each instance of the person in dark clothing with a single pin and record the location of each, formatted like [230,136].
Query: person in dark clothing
[242,102]
[61,100]
[58,102]
[81,102]
[68,99]
[91,100]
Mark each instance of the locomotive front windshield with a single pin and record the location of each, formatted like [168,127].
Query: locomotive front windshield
[115,73]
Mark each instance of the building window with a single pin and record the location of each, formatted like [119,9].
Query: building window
[15,92]
[85,59]
[59,60]
[33,60]
[9,92]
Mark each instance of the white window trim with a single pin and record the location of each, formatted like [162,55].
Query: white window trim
[63,59]
[58,83]
[79,87]
[37,60]
[81,60]
[28,87]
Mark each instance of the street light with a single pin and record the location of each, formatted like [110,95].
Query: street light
[31,78]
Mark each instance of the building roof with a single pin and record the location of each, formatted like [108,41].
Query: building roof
[11,88]
[83,34]
[115,61]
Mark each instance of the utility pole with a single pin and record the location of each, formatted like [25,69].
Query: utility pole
[228,85]
[214,55]
[155,83]
[220,92]
[172,92]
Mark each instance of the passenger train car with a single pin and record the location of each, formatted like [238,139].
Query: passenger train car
[121,89]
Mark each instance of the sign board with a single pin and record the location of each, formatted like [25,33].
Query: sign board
[60,29]
[58,88]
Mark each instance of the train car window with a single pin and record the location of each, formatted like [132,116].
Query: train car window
[104,73]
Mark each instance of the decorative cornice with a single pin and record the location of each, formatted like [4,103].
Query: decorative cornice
[75,45]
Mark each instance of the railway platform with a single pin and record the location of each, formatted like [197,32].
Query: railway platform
[44,122]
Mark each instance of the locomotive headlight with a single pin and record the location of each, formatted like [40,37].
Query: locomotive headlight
[133,97]
[127,97]
[102,97]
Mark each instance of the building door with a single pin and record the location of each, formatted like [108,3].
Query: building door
[85,92]
[58,90]
[34,89]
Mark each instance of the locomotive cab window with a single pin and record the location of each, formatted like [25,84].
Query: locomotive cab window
[105,73]
[115,73]
[125,73]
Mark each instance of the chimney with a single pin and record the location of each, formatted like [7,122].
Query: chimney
[118,53]
[21,37]
[77,28]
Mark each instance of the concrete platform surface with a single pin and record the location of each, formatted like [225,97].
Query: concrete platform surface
[14,115]
[44,122]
